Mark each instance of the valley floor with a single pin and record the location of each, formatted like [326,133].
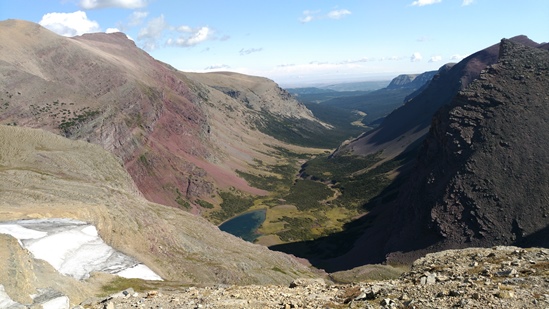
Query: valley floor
[499,277]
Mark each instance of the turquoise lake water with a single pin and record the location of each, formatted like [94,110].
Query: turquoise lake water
[245,226]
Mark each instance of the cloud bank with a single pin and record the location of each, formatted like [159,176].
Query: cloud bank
[158,33]
[425,2]
[99,4]
[416,57]
[309,15]
[69,24]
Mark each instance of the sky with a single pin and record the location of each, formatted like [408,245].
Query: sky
[297,42]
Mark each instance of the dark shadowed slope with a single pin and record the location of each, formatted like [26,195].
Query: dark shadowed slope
[481,178]
[408,124]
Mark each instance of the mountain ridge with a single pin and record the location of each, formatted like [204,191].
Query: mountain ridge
[181,140]
[477,180]
[405,127]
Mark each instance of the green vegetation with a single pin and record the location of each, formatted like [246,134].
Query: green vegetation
[301,132]
[233,203]
[296,229]
[67,125]
[278,178]
[358,179]
[265,182]
[308,194]
[205,204]
[144,161]
[278,270]
[324,167]
[180,201]
[120,284]
[321,199]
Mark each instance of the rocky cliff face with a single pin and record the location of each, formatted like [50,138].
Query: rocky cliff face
[405,127]
[181,136]
[480,178]
[480,172]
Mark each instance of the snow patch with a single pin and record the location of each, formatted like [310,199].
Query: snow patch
[20,232]
[138,271]
[57,303]
[74,248]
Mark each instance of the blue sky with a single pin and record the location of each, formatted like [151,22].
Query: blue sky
[298,41]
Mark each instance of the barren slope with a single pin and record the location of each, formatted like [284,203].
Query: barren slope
[43,175]
[181,136]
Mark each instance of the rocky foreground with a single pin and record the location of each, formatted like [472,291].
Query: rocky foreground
[498,277]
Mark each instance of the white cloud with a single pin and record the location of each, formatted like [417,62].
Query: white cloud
[195,37]
[249,51]
[154,29]
[435,58]
[137,17]
[457,57]
[69,24]
[151,34]
[112,30]
[416,57]
[365,59]
[309,16]
[184,29]
[306,18]
[200,36]
[337,14]
[425,2]
[126,4]
[158,32]
[217,67]
[467,2]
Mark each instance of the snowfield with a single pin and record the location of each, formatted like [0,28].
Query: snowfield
[74,248]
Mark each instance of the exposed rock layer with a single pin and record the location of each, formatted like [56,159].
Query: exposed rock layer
[181,136]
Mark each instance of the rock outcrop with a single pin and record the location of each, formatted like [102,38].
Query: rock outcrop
[499,277]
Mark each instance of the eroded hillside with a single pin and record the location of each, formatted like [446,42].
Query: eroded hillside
[181,136]
[43,175]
